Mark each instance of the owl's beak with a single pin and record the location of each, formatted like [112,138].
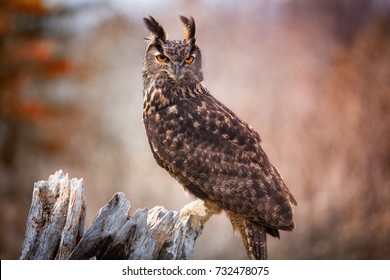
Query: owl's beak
[178,71]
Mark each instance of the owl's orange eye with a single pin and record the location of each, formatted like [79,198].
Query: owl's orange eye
[161,58]
[189,60]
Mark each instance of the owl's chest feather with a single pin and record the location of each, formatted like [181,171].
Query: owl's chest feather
[155,100]
[163,123]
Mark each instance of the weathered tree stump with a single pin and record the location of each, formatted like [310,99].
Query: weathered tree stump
[55,227]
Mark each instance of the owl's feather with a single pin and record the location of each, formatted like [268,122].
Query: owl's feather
[218,157]
[189,27]
[157,30]
[254,235]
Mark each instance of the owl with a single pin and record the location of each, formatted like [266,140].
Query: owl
[216,156]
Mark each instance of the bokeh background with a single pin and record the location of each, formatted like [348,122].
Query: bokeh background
[313,77]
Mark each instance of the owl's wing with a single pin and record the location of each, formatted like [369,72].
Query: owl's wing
[216,156]
[247,139]
[221,121]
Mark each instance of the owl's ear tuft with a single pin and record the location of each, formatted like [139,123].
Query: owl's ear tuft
[189,28]
[157,30]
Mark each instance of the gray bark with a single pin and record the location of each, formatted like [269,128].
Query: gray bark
[55,227]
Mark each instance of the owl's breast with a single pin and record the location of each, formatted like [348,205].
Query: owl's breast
[156,100]
[166,135]
[165,130]
[163,122]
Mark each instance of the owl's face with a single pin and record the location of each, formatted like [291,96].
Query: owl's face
[176,61]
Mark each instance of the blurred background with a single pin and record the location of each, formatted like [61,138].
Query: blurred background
[312,77]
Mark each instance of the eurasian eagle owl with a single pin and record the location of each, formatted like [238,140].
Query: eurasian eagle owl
[215,155]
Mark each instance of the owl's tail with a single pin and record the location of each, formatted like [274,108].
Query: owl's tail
[253,235]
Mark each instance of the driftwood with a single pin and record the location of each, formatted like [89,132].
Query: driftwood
[55,227]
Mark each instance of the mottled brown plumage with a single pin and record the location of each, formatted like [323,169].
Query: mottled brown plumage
[215,155]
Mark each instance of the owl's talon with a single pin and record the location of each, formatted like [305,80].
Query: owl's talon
[203,210]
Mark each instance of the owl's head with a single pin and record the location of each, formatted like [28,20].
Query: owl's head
[173,61]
